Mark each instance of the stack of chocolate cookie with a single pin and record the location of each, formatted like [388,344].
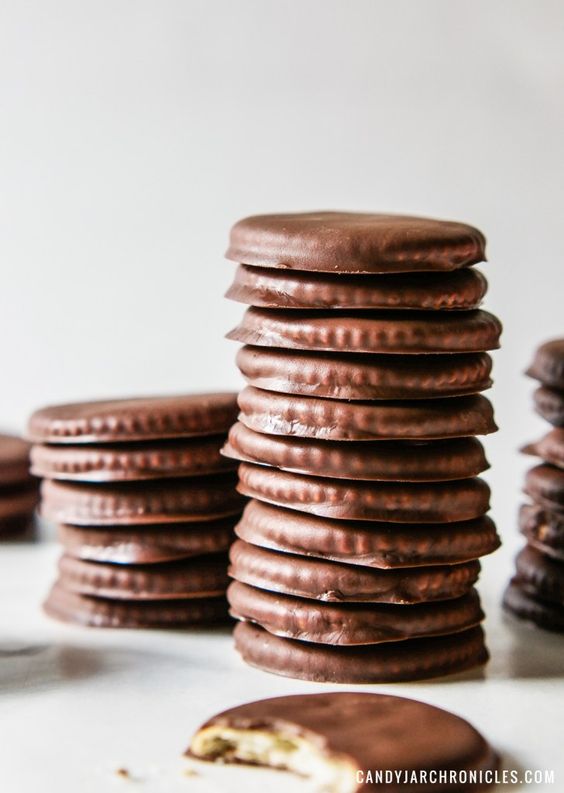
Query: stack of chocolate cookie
[145,506]
[365,355]
[536,592]
[18,490]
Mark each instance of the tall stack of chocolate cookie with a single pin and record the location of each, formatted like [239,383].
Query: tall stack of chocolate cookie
[18,490]
[145,506]
[536,592]
[365,355]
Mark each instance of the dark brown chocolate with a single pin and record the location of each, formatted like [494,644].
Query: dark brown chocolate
[391,662]
[545,485]
[331,419]
[522,603]
[16,502]
[349,242]
[549,448]
[395,332]
[346,499]
[381,545]
[271,288]
[548,364]
[364,376]
[543,529]
[349,624]
[14,461]
[540,575]
[549,404]
[397,461]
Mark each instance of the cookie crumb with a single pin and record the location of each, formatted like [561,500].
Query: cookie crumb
[123,773]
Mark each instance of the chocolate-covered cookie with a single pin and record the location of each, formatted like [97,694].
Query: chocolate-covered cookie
[365,376]
[391,662]
[129,461]
[320,579]
[549,404]
[346,499]
[287,289]
[331,419]
[545,485]
[549,448]
[522,603]
[147,544]
[400,333]
[96,612]
[548,364]
[190,578]
[14,461]
[140,419]
[348,624]
[343,739]
[381,545]
[16,502]
[354,242]
[132,503]
[540,575]
[399,461]
[543,529]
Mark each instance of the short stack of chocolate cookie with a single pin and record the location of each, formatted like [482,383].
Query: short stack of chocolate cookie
[536,592]
[365,355]
[145,506]
[18,490]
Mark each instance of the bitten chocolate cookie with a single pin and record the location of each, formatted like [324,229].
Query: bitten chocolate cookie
[271,288]
[381,545]
[391,662]
[14,461]
[400,333]
[97,612]
[346,499]
[127,420]
[132,503]
[549,448]
[129,461]
[365,376]
[202,577]
[331,419]
[543,529]
[349,624]
[320,579]
[545,485]
[147,544]
[523,604]
[540,576]
[342,739]
[550,405]
[349,242]
[548,364]
[364,460]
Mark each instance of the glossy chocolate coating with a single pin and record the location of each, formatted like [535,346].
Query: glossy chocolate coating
[543,529]
[549,404]
[522,603]
[545,485]
[548,364]
[354,242]
[540,575]
[549,448]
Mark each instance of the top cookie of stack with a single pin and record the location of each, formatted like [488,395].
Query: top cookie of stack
[365,354]
[145,506]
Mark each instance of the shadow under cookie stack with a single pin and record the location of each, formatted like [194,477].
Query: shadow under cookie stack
[145,507]
[536,592]
[365,353]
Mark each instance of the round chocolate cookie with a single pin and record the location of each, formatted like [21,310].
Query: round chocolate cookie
[540,575]
[391,662]
[355,242]
[202,577]
[271,288]
[382,545]
[522,603]
[346,738]
[548,364]
[130,461]
[96,612]
[331,419]
[550,405]
[346,499]
[543,529]
[14,461]
[545,485]
[365,376]
[140,419]
[319,579]
[147,544]
[396,332]
[550,448]
[131,503]
[398,461]
[347,624]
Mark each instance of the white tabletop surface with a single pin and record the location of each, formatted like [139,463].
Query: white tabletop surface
[78,704]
